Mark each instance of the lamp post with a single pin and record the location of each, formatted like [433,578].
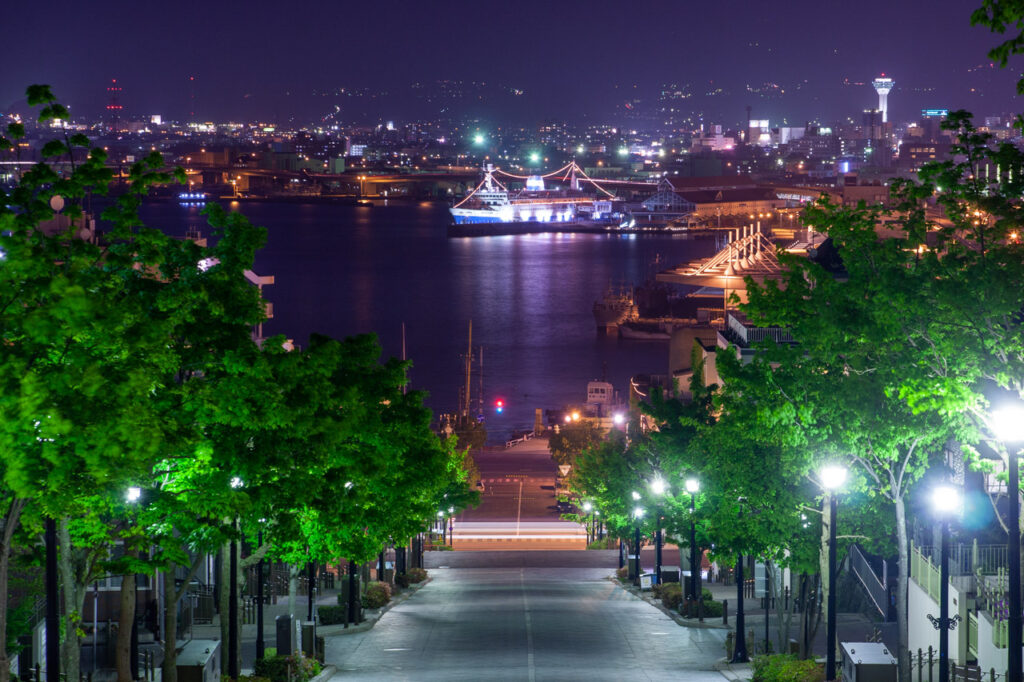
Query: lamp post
[451,527]
[634,568]
[945,503]
[133,495]
[693,487]
[638,514]
[832,478]
[233,662]
[1008,425]
[658,487]
[260,645]
[589,508]
[739,653]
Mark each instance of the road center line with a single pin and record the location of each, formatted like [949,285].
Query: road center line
[531,671]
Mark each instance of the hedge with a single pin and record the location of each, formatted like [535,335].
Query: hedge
[377,595]
[276,668]
[786,668]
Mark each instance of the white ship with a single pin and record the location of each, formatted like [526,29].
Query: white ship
[493,202]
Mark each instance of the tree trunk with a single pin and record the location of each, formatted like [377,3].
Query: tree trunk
[73,593]
[172,596]
[169,669]
[294,571]
[826,523]
[124,626]
[902,585]
[222,604]
[10,523]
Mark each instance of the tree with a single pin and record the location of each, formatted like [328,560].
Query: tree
[572,439]
[78,346]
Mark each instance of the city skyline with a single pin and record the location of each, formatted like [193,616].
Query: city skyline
[518,65]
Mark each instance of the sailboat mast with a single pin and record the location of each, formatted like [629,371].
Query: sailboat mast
[480,389]
[469,368]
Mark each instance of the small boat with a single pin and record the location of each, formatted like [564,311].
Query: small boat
[616,307]
[192,198]
[645,331]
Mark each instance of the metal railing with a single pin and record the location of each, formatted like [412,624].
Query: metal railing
[972,636]
[877,592]
[971,559]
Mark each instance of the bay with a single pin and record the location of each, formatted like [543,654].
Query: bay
[344,270]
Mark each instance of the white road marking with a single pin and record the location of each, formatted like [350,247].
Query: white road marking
[531,672]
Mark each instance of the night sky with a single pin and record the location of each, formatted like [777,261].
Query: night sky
[577,61]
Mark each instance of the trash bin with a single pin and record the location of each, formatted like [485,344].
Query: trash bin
[669,574]
[283,630]
[199,661]
[634,564]
[867,662]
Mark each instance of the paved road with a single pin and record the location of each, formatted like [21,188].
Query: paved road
[539,623]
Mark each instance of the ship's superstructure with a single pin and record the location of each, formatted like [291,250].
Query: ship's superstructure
[493,202]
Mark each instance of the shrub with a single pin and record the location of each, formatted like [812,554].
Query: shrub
[622,573]
[786,668]
[713,609]
[416,575]
[276,668]
[604,543]
[402,580]
[270,651]
[332,615]
[377,595]
[671,595]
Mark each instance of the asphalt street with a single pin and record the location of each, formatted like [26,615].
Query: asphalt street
[526,622]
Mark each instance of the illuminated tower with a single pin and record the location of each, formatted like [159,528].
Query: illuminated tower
[114,105]
[882,86]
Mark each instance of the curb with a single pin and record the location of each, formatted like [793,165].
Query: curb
[372,618]
[656,603]
[741,671]
[326,673]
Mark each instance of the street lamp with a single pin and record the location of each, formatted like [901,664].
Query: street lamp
[638,514]
[693,487]
[1008,425]
[588,508]
[832,478]
[945,503]
[739,653]
[659,488]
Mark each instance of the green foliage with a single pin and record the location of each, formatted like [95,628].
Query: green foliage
[712,608]
[277,668]
[377,595]
[572,439]
[402,581]
[416,574]
[603,543]
[332,615]
[671,594]
[786,668]
[998,16]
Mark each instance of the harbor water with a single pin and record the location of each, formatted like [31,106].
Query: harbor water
[344,270]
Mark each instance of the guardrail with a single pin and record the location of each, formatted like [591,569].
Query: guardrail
[522,439]
[875,589]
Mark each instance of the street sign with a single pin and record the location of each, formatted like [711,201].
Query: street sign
[565,468]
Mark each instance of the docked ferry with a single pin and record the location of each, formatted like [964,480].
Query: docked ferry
[493,202]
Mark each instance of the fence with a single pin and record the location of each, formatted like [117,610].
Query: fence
[924,667]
